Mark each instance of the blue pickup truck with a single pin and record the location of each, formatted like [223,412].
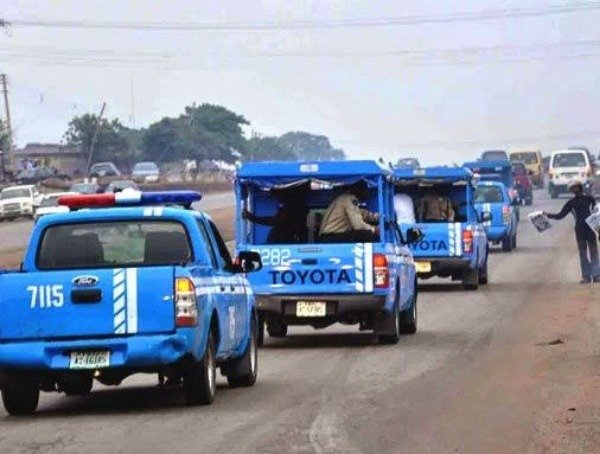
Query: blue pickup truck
[127,287]
[456,248]
[492,197]
[316,282]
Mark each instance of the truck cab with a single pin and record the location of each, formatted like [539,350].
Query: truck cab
[492,197]
[454,246]
[129,286]
[317,282]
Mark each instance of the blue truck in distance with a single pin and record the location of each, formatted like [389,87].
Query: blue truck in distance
[129,287]
[316,283]
[492,197]
[456,249]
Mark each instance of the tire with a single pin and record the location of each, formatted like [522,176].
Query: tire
[529,200]
[507,244]
[243,371]
[483,273]
[200,377]
[553,192]
[514,241]
[260,330]
[276,327]
[21,401]
[387,327]
[470,279]
[409,318]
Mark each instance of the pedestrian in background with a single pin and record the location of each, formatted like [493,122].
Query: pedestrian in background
[581,206]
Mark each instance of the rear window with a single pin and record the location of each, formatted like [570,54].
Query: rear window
[488,194]
[569,160]
[519,169]
[494,156]
[527,158]
[50,201]
[114,244]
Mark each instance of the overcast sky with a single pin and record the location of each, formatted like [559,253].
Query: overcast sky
[347,83]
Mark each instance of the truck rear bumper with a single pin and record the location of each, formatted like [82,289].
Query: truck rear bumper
[138,351]
[335,304]
[445,266]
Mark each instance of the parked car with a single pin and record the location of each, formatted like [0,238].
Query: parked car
[104,169]
[49,205]
[38,174]
[522,182]
[85,188]
[494,155]
[17,201]
[120,185]
[145,172]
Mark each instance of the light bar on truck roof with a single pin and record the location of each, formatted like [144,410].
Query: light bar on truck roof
[130,198]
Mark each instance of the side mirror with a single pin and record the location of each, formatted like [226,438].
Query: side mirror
[486,216]
[249,261]
[413,235]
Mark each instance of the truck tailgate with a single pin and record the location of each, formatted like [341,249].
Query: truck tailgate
[86,303]
[443,239]
[315,269]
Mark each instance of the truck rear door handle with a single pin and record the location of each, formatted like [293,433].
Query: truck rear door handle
[309,261]
[222,288]
[232,288]
[86,296]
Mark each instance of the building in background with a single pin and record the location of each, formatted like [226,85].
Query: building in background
[63,158]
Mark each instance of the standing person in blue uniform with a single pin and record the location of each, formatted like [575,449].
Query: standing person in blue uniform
[581,206]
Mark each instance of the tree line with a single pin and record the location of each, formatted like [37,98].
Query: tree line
[201,132]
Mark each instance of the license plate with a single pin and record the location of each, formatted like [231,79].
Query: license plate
[89,360]
[423,267]
[310,309]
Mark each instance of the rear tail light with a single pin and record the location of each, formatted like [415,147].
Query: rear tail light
[381,272]
[467,238]
[506,214]
[186,312]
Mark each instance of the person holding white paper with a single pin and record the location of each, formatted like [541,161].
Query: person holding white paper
[581,206]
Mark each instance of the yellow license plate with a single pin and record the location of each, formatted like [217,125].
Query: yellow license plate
[311,309]
[423,267]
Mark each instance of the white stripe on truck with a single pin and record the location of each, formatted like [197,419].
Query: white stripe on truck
[132,300]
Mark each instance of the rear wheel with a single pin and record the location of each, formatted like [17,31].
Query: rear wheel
[21,401]
[483,272]
[408,318]
[242,371]
[514,241]
[260,330]
[470,279]
[200,378]
[387,328]
[553,192]
[507,244]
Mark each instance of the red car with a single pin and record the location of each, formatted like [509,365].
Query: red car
[522,182]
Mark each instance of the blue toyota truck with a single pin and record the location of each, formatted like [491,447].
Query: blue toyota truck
[492,197]
[458,247]
[128,287]
[313,281]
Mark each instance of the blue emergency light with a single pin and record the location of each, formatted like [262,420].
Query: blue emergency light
[130,198]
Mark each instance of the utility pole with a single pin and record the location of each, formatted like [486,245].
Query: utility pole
[4,84]
[94,138]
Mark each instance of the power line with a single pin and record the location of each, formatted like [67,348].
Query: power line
[483,15]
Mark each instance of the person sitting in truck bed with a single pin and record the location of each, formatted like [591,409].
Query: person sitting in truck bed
[288,225]
[345,222]
[435,208]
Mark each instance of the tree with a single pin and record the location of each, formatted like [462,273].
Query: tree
[4,138]
[201,132]
[268,149]
[310,147]
[111,144]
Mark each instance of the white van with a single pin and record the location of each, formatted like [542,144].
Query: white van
[566,165]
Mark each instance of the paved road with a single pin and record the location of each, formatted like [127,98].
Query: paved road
[15,234]
[445,389]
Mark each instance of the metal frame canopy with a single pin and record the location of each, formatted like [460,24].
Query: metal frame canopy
[279,174]
[433,175]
